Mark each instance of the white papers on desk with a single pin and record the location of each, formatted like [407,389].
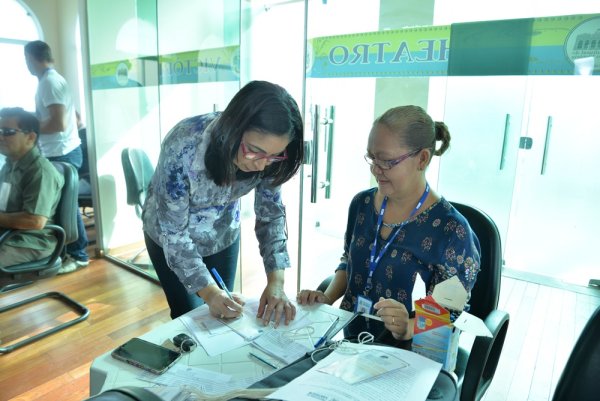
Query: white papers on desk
[219,336]
[206,381]
[411,382]
[280,346]
[214,343]
[290,345]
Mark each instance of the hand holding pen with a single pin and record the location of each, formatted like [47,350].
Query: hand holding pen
[223,304]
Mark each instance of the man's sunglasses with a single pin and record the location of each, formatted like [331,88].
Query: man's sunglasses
[9,131]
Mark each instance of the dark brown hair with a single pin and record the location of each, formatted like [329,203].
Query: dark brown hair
[264,107]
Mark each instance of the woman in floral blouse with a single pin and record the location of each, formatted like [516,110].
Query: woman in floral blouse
[192,212]
[399,229]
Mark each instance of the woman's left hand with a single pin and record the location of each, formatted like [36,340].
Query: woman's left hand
[274,303]
[395,317]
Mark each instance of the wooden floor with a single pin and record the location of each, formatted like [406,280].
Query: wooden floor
[545,322]
[122,304]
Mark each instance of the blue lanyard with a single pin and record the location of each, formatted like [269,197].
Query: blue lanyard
[374,261]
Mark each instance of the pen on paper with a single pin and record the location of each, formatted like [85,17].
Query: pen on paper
[258,358]
[221,282]
[327,333]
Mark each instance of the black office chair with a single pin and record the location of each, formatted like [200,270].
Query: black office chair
[475,367]
[580,380]
[85,189]
[127,393]
[65,229]
[138,172]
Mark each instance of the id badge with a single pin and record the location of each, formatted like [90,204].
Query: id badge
[363,305]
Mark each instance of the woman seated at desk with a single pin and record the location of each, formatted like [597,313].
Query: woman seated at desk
[399,229]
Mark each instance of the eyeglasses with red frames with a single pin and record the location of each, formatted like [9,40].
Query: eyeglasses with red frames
[389,164]
[250,155]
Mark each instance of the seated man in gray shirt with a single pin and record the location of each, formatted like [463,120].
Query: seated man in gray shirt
[30,188]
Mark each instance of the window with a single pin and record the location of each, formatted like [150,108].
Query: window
[17,27]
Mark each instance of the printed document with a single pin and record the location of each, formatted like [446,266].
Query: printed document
[412,379]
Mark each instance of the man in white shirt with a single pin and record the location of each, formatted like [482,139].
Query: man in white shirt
[59,139]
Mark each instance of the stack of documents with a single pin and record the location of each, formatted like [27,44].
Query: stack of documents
[286,343]
[217,336]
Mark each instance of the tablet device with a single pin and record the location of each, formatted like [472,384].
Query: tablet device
[146,355]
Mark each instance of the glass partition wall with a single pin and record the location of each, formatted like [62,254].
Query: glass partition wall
[521,137]
[152,63]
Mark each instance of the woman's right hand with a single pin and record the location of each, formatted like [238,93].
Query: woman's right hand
[220,305]
[310,297]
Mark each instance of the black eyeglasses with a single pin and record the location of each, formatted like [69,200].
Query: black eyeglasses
[9,131]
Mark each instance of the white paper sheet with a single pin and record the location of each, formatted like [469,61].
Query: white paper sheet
[218,336]
[280,346]
[412,382]
[213,344]
[206,381]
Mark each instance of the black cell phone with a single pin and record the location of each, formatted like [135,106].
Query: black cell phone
[146,355]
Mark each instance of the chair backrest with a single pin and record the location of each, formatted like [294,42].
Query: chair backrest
[486,292]
[580,380]
[66,211]
[138,172]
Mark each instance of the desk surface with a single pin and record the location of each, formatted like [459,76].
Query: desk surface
[106,372]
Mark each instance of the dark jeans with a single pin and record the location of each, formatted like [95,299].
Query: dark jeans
[76,249]
[180,301]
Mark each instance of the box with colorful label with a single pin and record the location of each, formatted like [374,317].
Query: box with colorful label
[435,335]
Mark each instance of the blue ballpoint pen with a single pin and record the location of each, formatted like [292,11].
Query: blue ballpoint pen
[221,282]
[327,333]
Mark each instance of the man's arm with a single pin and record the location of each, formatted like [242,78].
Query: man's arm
[22,221]
[57,120]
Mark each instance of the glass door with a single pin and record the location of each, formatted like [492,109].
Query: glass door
[271,49]
[339,111]
[554,214]
[152,63]
[123,112]
[484,115]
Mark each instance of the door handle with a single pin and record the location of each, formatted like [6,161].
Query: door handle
[504,141]
[329,149]
[546,144]
[315,153]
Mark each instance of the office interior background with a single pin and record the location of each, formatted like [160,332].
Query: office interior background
[522,145]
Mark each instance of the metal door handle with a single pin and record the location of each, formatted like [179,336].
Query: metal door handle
[504,141]
[315,154]
[329,149]
[546,144]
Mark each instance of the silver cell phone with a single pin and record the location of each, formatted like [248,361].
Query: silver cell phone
[146,355]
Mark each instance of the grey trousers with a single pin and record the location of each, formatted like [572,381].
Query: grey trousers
[10,255]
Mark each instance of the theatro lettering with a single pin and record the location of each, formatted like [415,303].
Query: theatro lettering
[429,50]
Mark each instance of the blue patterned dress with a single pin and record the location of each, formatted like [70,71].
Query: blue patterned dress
[190,216]
[437,244]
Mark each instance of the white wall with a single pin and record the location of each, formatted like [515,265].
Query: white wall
[58,19]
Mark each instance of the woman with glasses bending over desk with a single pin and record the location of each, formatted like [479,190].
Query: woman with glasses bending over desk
[399,229]
[192,212]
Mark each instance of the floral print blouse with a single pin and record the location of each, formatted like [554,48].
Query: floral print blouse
[190,216]
[436,244]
